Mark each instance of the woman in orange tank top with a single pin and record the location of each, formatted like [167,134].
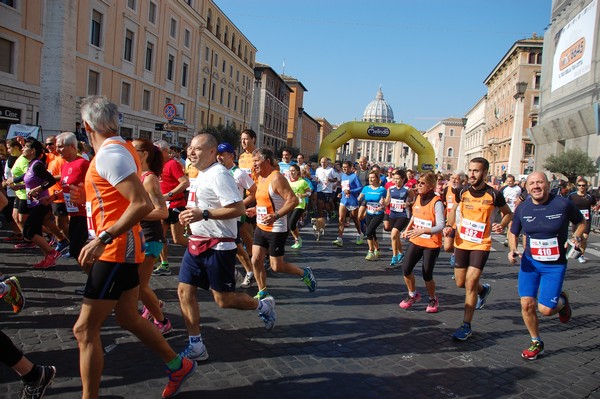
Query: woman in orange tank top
[424,232]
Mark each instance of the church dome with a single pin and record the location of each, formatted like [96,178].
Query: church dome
[378,110]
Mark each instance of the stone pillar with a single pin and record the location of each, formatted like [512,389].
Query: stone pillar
[58,94]
[516,141]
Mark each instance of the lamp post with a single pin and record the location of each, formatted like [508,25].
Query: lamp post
[516,144]
[256,107]
[441,152]
[299,130]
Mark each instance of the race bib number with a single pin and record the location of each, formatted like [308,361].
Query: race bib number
[585,213]
[71,207]
[423,224]
[372,207]
[472,231]
[345,185]
[397,205]
[90,220]
[191,201]
[544,249]
[449,205]
[261,214]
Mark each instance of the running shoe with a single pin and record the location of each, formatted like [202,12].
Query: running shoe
[62,245]
[505,243]
[394,260]
[178,377]
[338,242]
[267,312]
[297,244]
[409,301]
[146,313]
[581,259]
[564,315]
[483,296]
[452,260]
[360,240]
[535,349]
[37,388]
[262,294]
[165,327]
[247,283]
[377,253]
[399,258]
[48,261]
[238,277]
[13,238]
[370,256]
[463,332]
[25,245]
[433,306]
[197,353]
[14,295]
[162,270]
[309,279]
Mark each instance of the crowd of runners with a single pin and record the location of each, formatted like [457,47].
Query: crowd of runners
[112,209]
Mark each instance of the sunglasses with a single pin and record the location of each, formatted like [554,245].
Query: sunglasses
[582,185]
[421,183]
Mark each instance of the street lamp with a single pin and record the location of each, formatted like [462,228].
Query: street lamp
[255,107]
[521,88]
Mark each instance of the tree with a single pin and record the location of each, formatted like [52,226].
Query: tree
[227,134]
[571,163]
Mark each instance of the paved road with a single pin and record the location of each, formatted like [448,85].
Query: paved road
[348,340]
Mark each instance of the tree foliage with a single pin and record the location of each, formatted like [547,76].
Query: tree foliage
[226,133]
[571,163]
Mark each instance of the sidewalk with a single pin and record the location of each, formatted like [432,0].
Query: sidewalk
[348,340]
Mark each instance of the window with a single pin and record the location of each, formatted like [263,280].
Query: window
[529,150]
[235,103]
[125,93]
[189,2]
[168,100]
[216,58]
[208,18]
[224,66]
[231,71]
[9,3]
[536,101]
[173,28]
[228,99]
[152,13]
[450,152]
[184,74]
[131,4]
[451,132]
[204,87]
[128,51]
[170,67]
[149,56]
[212,93]
[538,81]
[221,97]
[96,28]
[7,53]
[146,100]
[206,53]
[186,38]
[93,83]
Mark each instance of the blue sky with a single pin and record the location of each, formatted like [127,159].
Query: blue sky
[430,57]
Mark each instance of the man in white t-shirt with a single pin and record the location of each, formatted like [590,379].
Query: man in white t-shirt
[213,208]
[326,178]
[511,193]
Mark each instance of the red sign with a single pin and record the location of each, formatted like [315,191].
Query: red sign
[169,111]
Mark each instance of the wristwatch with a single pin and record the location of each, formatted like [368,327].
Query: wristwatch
[105,237]
[170,194]
[205,214]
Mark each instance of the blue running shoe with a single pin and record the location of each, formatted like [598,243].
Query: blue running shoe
[62,246]
[267,312]
[463,332]
[309,280]
[482,297]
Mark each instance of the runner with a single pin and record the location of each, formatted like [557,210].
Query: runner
[372,200]
[473,241]
[351,188]
[511,193]
[424,232]
[116,202]
[584,202]
[302,190]
[544,219]
[274,201]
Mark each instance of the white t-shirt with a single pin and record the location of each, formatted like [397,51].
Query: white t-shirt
[114,162]
[323,176]
[243,181]
[215,189]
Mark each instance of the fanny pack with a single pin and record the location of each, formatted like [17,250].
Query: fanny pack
[199,244]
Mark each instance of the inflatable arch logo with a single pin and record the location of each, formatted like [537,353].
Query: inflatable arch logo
[380,131]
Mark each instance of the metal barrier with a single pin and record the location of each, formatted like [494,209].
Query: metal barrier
[596,220]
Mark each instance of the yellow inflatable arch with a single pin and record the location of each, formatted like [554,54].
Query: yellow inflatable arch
[380,131]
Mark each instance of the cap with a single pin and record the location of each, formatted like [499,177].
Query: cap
[390,169]
[225,147]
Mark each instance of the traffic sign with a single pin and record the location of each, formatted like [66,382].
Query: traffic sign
[169,111]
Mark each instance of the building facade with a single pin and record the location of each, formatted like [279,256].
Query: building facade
[142,55]
[513,107]
[471,141]
[271,108]
[570,90]
[445,138]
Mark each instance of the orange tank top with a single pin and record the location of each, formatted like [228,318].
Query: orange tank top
[267,203]
[105,205]
[424,216]
[473,232]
